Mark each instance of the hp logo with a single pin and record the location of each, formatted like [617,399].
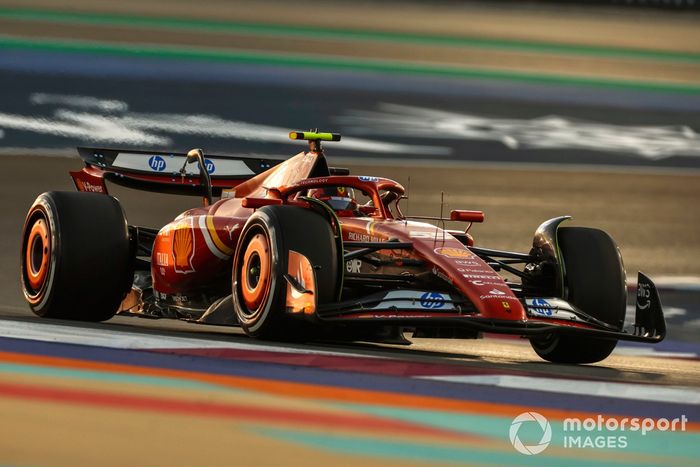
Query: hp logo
[542,306]
[156,163]
[210,166]
[432,300]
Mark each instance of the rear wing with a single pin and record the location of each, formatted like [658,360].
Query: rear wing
[161,171]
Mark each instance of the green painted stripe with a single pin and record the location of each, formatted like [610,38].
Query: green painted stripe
[334,63]
[276,30]
[441,453]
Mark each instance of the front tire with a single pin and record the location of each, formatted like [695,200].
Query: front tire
[595,280]
[260,262]
[76,256]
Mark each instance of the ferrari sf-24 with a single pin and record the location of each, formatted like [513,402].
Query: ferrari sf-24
[298,250]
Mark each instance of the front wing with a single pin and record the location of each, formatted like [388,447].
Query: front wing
[417,308]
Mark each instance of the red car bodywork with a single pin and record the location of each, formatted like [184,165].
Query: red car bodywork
[195,250]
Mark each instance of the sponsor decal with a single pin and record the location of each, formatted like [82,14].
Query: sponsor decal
[308,181]
[180,299]
[643,295]
[496,292]
[475,268]
[466,262]
[183,246]
[482,276]
[162,259]
[363,178]
[356,237]
[499,297]
[160,163]
[540,306]
[479,282]
[230,229]
[506,305]
[451,252]
[84,185]
[211,168]
[413,300]
[550,308]
[432,300]
[353,266]
[156,163]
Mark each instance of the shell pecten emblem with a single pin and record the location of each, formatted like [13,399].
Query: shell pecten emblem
[183,246]
[451,252]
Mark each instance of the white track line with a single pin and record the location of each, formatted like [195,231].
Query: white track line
[116,339]
[684,395]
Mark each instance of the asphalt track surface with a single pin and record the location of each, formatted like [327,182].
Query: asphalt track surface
[137,391]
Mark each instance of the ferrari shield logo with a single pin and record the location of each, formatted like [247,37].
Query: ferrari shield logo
[183,246]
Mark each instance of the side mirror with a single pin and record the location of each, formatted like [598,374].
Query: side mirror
[197,155]
[194,154]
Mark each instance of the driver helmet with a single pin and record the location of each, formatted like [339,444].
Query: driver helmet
[339,198]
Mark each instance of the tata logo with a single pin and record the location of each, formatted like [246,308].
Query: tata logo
[432,300]
[210,166]
[156,163]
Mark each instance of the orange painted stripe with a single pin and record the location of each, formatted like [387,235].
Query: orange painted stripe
[310,391]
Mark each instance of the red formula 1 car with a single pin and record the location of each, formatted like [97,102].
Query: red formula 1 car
[300,250]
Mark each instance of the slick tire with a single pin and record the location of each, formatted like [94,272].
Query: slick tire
[595,279]
[76,260]
[261,260]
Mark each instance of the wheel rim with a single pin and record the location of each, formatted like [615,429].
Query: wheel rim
[255,275]
[38,255]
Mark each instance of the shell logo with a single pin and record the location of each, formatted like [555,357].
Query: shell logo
[453,252]
[183,247]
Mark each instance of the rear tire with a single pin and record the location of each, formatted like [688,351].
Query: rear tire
[595,279]
[271,232]
[76,260]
